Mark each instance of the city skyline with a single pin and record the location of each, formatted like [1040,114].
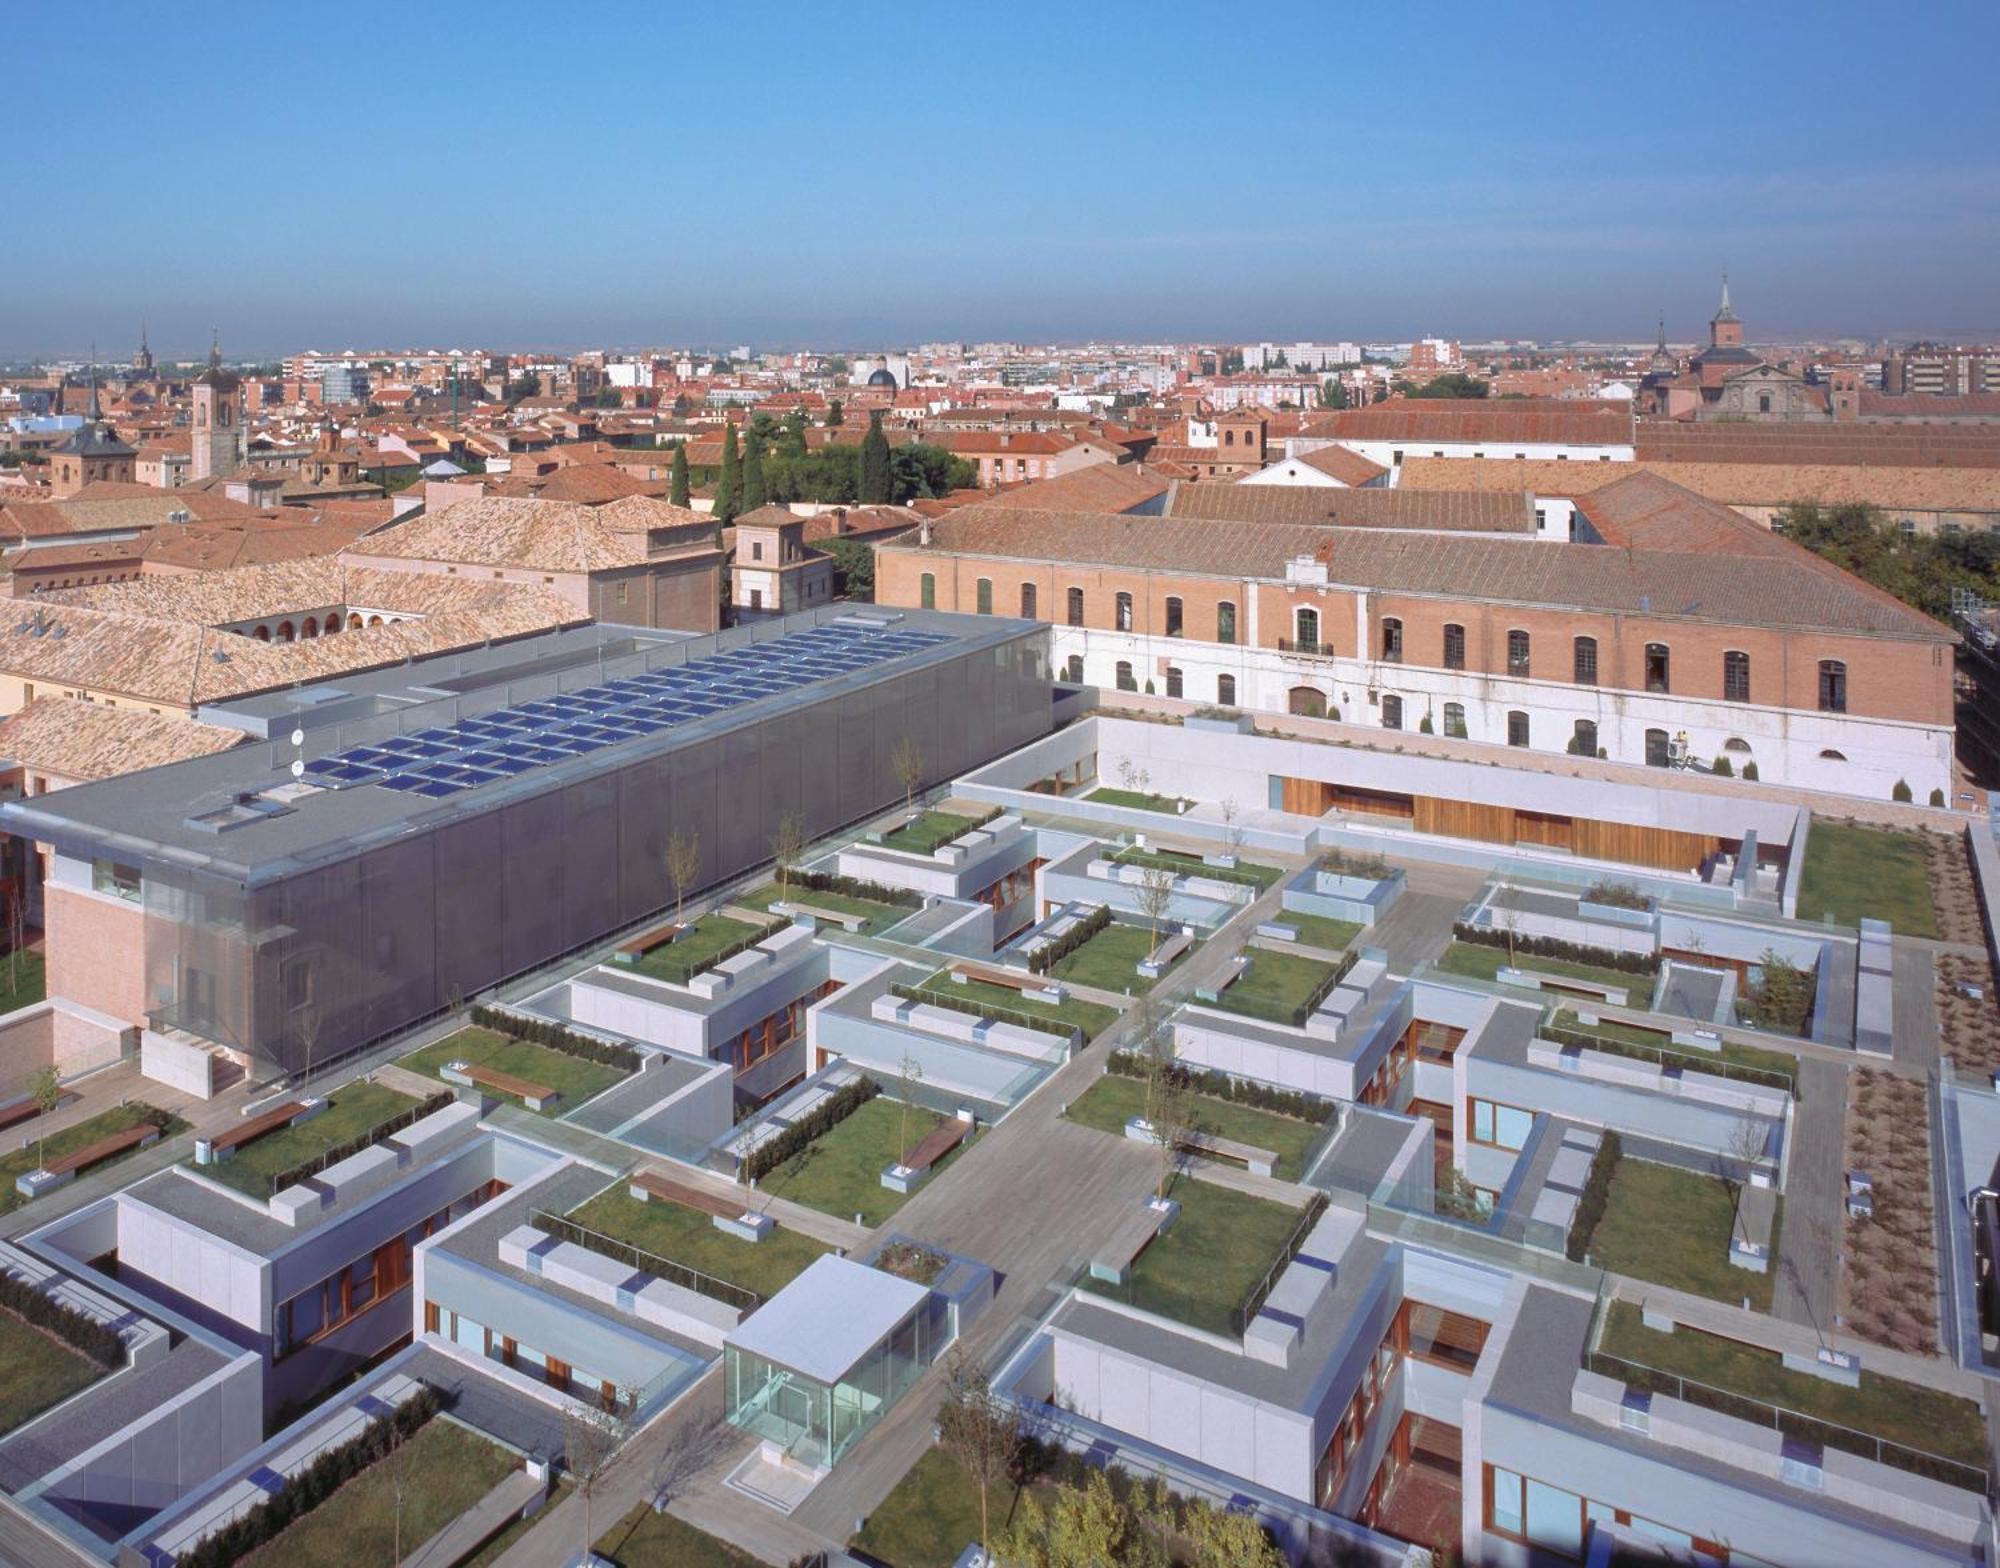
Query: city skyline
[697,182]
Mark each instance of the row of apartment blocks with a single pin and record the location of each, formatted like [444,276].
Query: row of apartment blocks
[1686,634]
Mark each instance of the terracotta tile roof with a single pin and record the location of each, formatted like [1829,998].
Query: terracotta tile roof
[1890,445]
[531,534]
[1344,464]
[71,739]
[1102,487]
[213,546]
[1475,420]
[1734,484]
[1456,512]
[1929,405]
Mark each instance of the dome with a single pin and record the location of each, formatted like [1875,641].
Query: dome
[883,378]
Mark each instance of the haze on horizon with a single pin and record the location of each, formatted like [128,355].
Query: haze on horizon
[505,174]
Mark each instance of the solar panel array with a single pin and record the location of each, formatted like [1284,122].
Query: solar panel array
[444,760]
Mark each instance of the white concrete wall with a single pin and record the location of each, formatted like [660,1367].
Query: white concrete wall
[179,1064]
[230,1281]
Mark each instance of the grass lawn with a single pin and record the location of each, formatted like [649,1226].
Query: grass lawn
[1245,871]
[68,1141]
[674,1231]
[1207,1263]
[1659,1040]
[502,1543]
[1110,959]
[1277,985]
[1170,805]
[931,1515]
[575,1077]
[840,1172]
[1319,931]
[37,1370]
[1115,1099]
[23,980]
[879,916]
[446,1470]
[1852,871]
[1093,1018]
[1672,1227]
[1479,962]
[1917,1417]
[677,961]
[644,1539]
[353,1110]
[929,831]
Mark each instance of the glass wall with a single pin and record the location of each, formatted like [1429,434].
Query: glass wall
[814,1422]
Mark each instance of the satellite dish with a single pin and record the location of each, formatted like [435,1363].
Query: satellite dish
[298,768]
[298,737]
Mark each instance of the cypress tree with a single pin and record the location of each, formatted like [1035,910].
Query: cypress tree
[726,487]
[875,481]
[834,414]
[679,493]
[754,492]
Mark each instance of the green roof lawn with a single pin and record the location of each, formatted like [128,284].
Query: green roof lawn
[1906,1413]
[23,979]
[644,1539]
[1477,961]
[351,1112]
[933,1511]
[1852,872]
[929,831]
[677,961]
[31,1156]
[840,1172]
[1186,865]
[1659,1040]
[1093,1018]
[1209,1260]
[446,1468]
[1110,959]
[575,1078]
[1319,931]
[672,1230]
[880,916]
[1672,1226]
[1115,1099]
[1169,805]
[1277,985]
[37,1370]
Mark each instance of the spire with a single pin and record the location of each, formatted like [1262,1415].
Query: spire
[215,338]
[1663,332]
[1725,313]
[96,413]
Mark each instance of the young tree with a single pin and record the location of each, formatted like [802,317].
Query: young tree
[1155,896]
[983,1434]
[788,841]
[906,761]
[1168,1092]
[45,1089]
[395,1462]
[590,1440]
[678,492]
[876,488]
[1511,924]
[1733,1167]
[728,487]
[1082,1527]
[1231,809]
[912,1074]
[683,865]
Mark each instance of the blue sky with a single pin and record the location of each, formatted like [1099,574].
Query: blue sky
[552,176]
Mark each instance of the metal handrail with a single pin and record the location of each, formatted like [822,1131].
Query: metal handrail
[565,1229]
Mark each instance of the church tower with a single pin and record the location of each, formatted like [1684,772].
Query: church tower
[92,453]
[218,421]
[1724,330]
[142,362]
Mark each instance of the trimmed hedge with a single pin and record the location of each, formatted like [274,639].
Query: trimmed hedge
[853,887]
[1042,961]
[1667,1056]
[313,1485]
[1596,1194]
[66,1323]
[305,1170]
[1555,947]
[1218,1085]
[1617,895]
[944,996]
[680,972]
[815,1124]
[546,1032]
[1194,866]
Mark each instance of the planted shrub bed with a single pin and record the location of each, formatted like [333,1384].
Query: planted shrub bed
[823,1118]
[1555,947]
[991,1012]
[1041,961]
[305,1170]
[546,1032]
[66,1323]
[853,887]
[1596,1194]
[1238,1091]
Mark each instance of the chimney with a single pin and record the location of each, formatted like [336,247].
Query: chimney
[924,532]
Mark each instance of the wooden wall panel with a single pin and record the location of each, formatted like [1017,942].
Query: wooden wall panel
[1465,819]
[1664,849]
[1307,797]
[1370,802]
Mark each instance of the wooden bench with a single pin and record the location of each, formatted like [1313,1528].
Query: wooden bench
[917,1165]
[832,917]
[1258,1162]
[1113,1262]
[533,1095]
[1161,959]
[642,944]
[253,1128]
[105,1148]
[20,1111]
[730,1215]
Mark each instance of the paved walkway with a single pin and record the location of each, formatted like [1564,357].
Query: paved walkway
[1808,1283]
[483,1520]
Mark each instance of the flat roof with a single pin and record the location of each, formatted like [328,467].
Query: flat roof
[414,748]
[824,1322]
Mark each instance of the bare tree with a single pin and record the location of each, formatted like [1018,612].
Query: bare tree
[1155,896]
[17,938]
[1511,924]
[1127,772]
[906,762]
[308,1024]
[395,1462]
[683,865]
[913,1074]
[1232,834]
[45,1089]
[1169,1093]
[982,1433]
[1748,1138]
[788,842]
[591,1437]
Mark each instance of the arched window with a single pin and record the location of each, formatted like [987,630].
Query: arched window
[1656,667]
[1735,676]
[1832,686]
[286,631]
[1454,646]
[1076,606]
[1073,671]
[1125,681]
[1173,681]
[332,624]
[1225,622]
[1454,720]
[1583,743]
[1392,639]
[1173,615]
[354,623]
[309,628]
[1027,601]
[1517,728]
[983,595]
[927,591]
[1225,690]
[1392,713]
[1736,743]
[1585,667]
[1306,701]
[262,634]
[1306,624]
[1124,615]
[374,620]
[1832,756]
[1517,653]
[1657,753]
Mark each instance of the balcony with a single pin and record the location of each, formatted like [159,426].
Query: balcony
[1311,646]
